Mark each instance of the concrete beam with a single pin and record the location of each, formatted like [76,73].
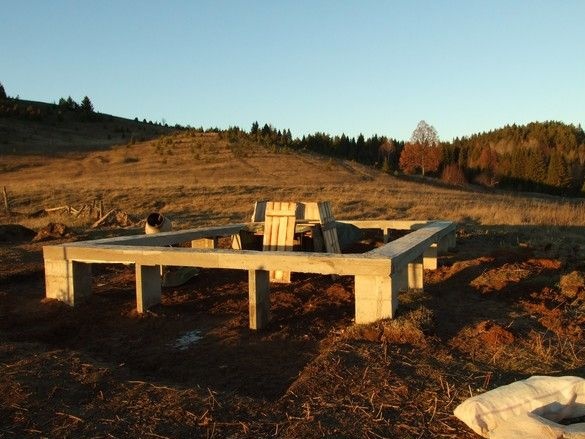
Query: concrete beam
[301,262]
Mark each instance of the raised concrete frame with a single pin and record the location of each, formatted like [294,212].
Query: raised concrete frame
[379,274]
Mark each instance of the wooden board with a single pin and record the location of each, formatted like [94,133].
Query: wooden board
[328,228]
[309,212]
[259,211]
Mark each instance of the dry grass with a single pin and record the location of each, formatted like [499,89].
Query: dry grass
[200,178]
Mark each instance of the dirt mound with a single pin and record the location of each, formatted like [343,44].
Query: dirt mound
[15,233]
[52,231]
[562,319]
[493,334]
[505,277]
[573,285]
[485,337]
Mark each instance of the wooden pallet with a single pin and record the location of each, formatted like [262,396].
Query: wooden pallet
[309,212]
[279,232]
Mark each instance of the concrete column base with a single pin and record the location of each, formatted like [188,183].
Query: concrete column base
[258,298]
[148,286]
[204,243]
[415,275]
[449,241]
[376,297]
[430,257]
[67,281]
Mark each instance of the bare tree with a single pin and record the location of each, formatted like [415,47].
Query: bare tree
[422,152]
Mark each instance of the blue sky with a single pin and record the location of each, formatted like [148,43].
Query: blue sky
[371,67]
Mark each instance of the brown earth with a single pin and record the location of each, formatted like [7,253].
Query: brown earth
[191,368]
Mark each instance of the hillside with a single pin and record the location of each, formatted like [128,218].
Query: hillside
[40,128]
[507,303]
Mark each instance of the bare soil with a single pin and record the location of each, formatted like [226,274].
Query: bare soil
[492,313]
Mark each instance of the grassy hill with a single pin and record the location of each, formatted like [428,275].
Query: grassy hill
[40,128]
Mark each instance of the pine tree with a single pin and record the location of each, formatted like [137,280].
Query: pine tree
[557,174]
[536,169]
[254,129]
[86,105]
[71,104]
[2,92]
[386,166]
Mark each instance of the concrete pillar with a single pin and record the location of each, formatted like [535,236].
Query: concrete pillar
[400,279]
[415,275]
[376,297]
[148,286]
[236,242]
[204,243]
[430,257]
[67,281]
[258,298]
[386,233]
[448,242]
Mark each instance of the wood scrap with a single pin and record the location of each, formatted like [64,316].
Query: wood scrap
[80,211]
[103,219]
[55,209]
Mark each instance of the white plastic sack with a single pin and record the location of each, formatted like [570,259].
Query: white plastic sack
[546,399]
[534,426]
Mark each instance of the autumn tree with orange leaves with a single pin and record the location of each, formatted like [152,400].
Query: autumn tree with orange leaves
[422,153]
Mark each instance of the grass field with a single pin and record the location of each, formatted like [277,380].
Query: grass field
[509,302]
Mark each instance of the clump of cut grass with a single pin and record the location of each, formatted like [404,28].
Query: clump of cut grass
[412,327]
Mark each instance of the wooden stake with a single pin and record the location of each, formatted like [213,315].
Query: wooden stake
[6,205]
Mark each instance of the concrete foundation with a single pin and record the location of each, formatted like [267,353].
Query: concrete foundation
[379,274]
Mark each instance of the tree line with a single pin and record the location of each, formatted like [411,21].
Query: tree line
[14,107]
[540,156]
[376,150]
